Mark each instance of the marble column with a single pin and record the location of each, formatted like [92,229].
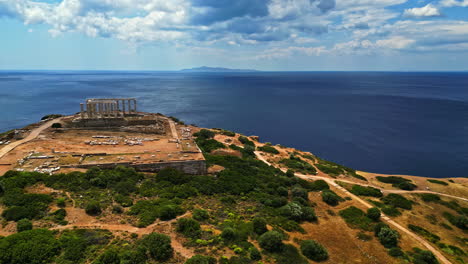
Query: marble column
[135,102]
[82,111]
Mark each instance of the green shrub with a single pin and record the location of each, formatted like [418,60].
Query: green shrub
[199,259]
[319,185]
[117,209]
[397,200]
[297,212]
[429,197]
[424,257]
[56,125]
[24,225]
[208,145]
[168,212]
[110,256]
[200,215]
[331,198]
[390,210]
[396,252]
[271,241]
[398,182]
[21,205]
[61,202]
[424,233]
[93,208]
[288,255]
[299,192]
[188,227]
[438,182]
[408,186]
[228,133]
[259,225]
[123,200]
[254,254]
[458,221]
[378,227]
[373,213]
[158,246]
[366,191]
[313,250]
[268,149]
[35,246]
[298,165]
[356,218]
[388,237]
[244,140]
[205,134]
[229,234]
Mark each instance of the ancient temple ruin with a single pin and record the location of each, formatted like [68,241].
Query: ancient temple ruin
[108,108]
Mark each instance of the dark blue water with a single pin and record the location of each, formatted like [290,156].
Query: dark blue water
[405,123]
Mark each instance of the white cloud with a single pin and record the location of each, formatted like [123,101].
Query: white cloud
[426,11]
[452,3]
[276,53]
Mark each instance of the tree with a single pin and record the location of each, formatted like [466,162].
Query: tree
[56,125]
[271,241]
[189,227]
[24,225]
[200,214]
[158,246]
[35,246]
[259,225]
[313,250]
[330,198]
[205,134]
[93,208]
[254,254]
[425,257]
[229,234]
[373,213]
[388,237]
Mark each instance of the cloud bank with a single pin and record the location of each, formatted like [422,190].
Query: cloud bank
[278,28]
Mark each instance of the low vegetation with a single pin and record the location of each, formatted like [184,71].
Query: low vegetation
[268,149]
[438,182]
[298,165]
[366,191]
[398,182]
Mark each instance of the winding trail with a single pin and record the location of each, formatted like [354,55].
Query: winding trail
[385,218]
[34,134]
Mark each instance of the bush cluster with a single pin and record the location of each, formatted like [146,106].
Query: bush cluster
[398,182]
[271,241]
[268,149]
[188,227]
[297,164]
[365,191]
[398,201]
[313,250]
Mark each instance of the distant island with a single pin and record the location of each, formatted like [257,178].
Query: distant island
[216,69]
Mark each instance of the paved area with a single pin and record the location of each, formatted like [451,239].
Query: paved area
[34,134]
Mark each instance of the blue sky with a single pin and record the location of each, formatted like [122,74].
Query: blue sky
[393,35]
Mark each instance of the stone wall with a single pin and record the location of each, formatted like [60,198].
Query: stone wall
[195,167]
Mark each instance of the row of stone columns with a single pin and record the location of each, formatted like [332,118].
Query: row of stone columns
[98,108]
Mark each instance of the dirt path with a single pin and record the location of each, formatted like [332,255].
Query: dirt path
[332,182]
[160,227]
[260,157]
[34,133]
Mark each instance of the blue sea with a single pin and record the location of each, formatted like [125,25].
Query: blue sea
[385,122]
